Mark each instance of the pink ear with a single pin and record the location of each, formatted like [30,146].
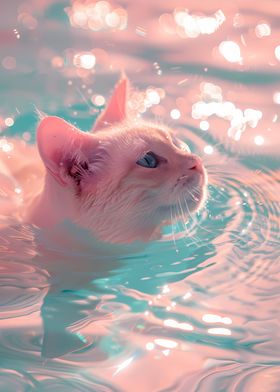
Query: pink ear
[58,142]
[115,111]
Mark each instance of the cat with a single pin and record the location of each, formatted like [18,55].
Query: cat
[119,181]
[117,185]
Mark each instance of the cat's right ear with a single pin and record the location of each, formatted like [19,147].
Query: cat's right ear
[61,145]
[116,109]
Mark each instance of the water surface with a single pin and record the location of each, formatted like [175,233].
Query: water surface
[199,310]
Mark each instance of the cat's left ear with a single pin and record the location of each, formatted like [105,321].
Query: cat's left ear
[65,150]
[116,109]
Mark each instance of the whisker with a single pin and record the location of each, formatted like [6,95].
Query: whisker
[197,225]
[196,242]
[83,97]
[172,227]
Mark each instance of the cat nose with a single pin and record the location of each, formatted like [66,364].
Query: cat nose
[193,162]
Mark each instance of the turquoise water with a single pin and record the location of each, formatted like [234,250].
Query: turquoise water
[198,310]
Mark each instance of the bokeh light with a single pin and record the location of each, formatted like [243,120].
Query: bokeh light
[98,100]
[9,122]
[9,62]
[262,30]
[208,149]
[259,140]
[188,25]
[175,114]
[277,52]
[230,50]
[97,16]
[84,60]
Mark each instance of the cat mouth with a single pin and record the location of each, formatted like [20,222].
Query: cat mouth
[193,179]
[193,190]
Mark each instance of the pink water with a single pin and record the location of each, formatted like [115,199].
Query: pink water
[198,311]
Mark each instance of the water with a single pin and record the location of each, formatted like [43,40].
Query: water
[199,310]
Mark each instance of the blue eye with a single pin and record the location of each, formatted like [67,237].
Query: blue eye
[149,160]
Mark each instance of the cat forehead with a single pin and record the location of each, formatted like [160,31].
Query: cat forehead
[153,132]
[135,131]
[134,141]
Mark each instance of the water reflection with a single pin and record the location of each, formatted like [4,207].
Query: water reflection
[214,318]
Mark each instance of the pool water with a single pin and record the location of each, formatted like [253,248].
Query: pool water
[198,310]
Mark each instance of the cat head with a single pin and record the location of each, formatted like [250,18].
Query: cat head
[126,177]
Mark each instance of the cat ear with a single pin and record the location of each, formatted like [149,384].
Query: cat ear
[61,145]
[115,111]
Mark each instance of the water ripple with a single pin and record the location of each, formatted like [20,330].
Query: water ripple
[199,310]
[12,380]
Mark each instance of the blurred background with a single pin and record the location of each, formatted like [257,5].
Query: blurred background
[213,65]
